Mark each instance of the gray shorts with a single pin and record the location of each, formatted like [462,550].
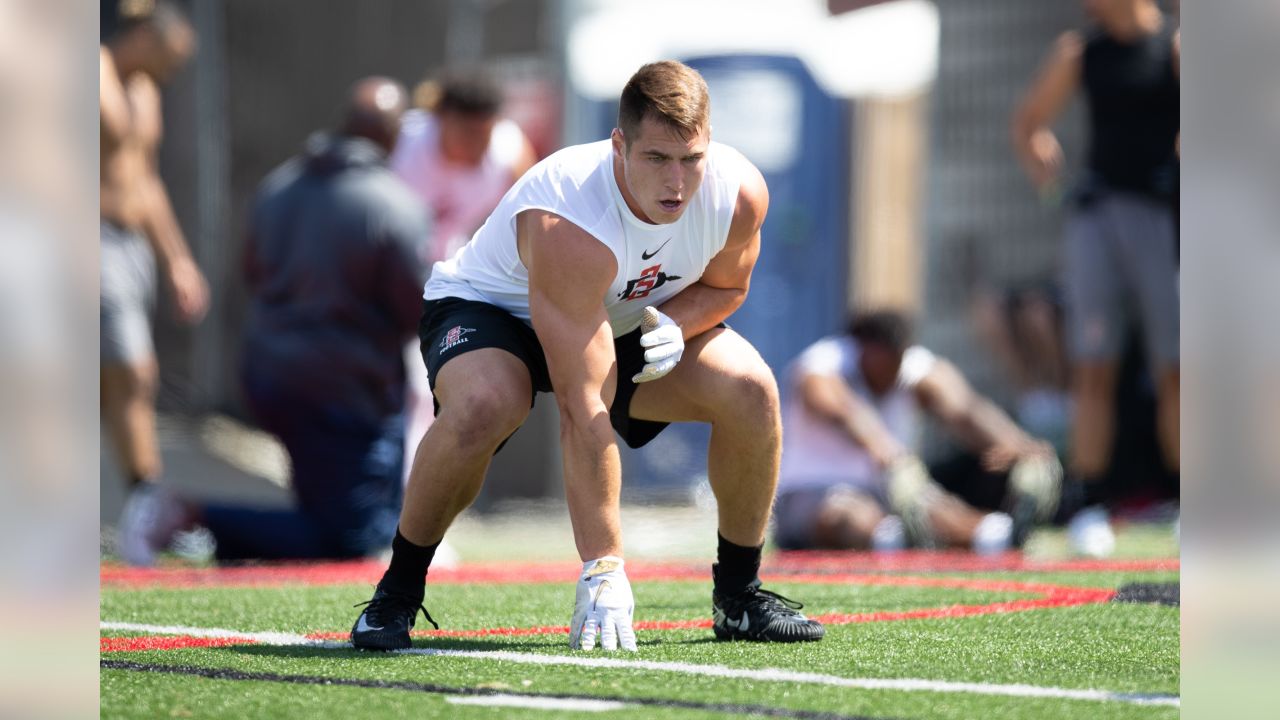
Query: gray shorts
[1120,262]
[796,510]
[127,295]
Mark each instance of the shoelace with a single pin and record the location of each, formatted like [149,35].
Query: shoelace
[768,597]
[391,603]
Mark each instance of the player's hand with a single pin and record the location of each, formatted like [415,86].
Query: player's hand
[1045,160]
[190,291]
[1038,475]
[603,607]
[664,342]
[913,494]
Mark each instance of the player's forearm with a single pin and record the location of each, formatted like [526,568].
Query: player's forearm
[699,307]
[864,428]
[592,480]
[985,426]
[830,399]
[161,226]
[1027,135]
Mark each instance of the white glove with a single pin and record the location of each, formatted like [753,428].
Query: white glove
[603,606]
[665,343]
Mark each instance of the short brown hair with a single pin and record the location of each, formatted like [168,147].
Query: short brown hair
[669,91]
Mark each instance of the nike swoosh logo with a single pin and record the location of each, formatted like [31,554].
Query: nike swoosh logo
[364,626]
[740,625]
[599,591]
[647,255]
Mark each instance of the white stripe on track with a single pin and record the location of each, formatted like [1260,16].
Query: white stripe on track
[720,671]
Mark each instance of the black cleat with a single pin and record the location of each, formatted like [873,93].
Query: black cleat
[387,620]
[763,616]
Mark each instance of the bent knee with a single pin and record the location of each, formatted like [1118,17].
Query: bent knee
[484,415]
[750,396]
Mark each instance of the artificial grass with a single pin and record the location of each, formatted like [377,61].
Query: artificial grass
[1131,648]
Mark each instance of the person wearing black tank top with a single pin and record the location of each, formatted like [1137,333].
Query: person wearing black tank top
[1120,247]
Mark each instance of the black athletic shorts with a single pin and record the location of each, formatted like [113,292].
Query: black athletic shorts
[451,327]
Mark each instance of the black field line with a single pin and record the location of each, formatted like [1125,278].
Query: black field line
[231,674]
[1168,593]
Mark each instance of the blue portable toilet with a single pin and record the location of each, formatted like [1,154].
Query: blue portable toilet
[782,77]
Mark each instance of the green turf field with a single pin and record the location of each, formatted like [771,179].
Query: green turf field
[502,650]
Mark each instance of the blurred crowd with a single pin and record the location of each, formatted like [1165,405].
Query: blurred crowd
[342,236]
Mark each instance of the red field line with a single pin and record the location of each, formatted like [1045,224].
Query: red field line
[165,642]
[782,564]
[1054,596]
[1051,596]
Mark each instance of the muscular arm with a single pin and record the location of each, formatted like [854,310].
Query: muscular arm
[569,274]
[1033,139]
[113,108]
[723,285]
[978,422]
[159,224]
[830,398]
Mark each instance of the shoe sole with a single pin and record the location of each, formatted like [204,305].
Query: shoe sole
[731,635]
[390,644]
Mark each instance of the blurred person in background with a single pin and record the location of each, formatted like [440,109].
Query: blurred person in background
[851,475]
[139,235]
[460,156]
[1121,243]
[559,291]
[1022,327]
[336,286]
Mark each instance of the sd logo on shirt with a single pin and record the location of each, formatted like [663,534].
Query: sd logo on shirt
[651,278]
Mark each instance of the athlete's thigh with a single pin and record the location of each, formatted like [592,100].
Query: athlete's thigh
[715,368]
[490,376]
[1094,286]
[1148,246]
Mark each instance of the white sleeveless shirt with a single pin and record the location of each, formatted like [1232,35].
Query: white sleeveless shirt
[816,453]
[654,261]
[459,197]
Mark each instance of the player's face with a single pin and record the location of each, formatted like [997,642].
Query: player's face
[880,366]
[464,137]
[662,170]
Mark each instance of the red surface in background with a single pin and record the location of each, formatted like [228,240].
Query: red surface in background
[776,567]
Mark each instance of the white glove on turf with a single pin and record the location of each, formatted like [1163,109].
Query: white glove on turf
[665,343]
[603,607]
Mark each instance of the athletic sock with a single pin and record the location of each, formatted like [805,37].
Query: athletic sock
[407,573]
[737,567]
[1080,492]
[889,534]
[993,534]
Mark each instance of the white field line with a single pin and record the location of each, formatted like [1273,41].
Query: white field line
[536,703]
[720,671]
[266,638]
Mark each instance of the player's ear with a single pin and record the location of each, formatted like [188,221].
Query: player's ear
[619,143]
